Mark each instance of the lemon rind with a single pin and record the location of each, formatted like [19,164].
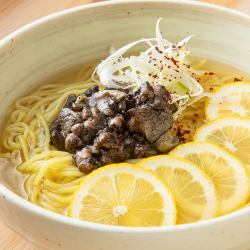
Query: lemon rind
[167,197]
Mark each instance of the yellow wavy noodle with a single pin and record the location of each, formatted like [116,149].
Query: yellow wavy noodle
[51,178]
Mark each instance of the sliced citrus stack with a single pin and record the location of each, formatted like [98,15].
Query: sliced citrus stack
[226,171]
[230,132]
[231,98]
[194,192]
[124,195]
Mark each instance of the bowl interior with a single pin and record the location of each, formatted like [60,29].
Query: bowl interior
[64,40]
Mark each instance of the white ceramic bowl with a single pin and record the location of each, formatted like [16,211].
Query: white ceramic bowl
[74,36]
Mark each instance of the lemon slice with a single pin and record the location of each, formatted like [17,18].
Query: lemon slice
[231,98]
[124,195]
[226,171]
[230,132]
[194,192]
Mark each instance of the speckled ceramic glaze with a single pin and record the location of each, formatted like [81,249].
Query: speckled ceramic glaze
[78,35]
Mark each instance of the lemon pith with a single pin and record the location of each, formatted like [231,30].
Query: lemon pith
[124,195]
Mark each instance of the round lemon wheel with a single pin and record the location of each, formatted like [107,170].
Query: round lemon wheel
[230,132]
[193,190]
[225,170]
[124,195]
[231,98]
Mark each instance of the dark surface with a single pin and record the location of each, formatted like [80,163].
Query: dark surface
[113,125]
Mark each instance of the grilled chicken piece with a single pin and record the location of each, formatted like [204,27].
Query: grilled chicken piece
[113,125]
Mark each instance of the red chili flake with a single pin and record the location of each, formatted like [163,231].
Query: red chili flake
[168,58]
[181,133]
[237,79]
[209,73]
[158,50]
[211,88]
[161,67]
[175,62]
[196,115]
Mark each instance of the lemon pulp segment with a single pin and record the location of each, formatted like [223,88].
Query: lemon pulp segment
[120,194]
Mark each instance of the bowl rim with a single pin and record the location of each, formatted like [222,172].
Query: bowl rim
[36,210]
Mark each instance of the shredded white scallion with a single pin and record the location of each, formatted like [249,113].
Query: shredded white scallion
[162,63]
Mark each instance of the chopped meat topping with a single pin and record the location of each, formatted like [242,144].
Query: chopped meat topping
[149,122]
[113,125]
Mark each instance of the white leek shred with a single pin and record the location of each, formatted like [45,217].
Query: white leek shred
[162,63]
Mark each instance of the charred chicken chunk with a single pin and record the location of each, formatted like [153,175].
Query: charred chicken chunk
[113,125]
